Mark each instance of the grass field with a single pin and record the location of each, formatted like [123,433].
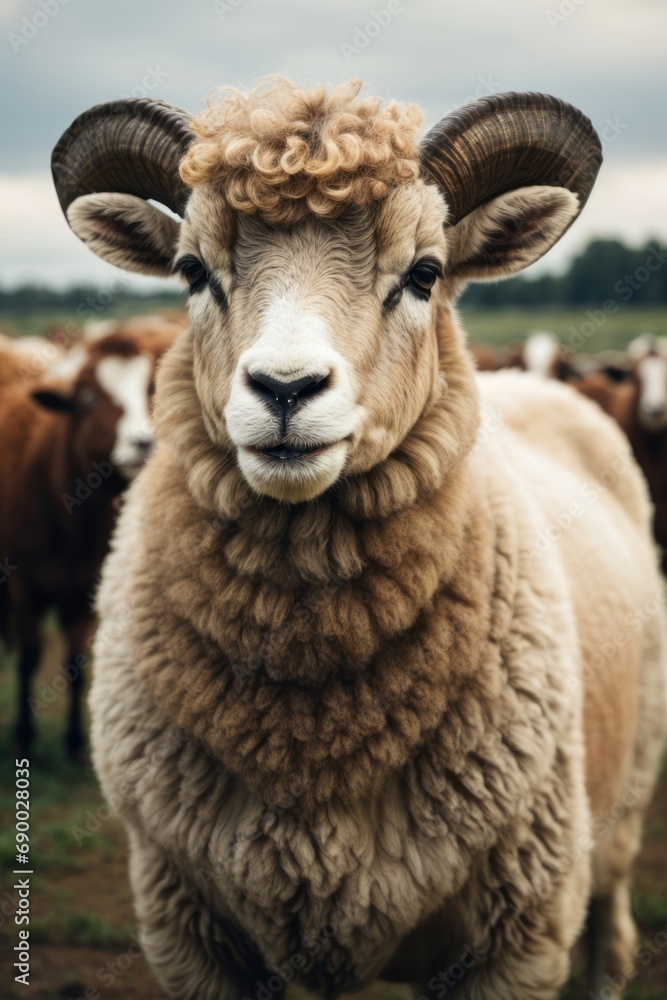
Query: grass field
[584,330]
[82,924]
[588,330]
[37,320]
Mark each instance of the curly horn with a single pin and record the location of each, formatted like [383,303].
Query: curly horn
[128,147]
[508,141]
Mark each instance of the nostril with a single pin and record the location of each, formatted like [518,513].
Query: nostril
[316,386]
[283,395]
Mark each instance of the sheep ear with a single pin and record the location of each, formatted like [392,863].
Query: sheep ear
[126,231]
[510,232]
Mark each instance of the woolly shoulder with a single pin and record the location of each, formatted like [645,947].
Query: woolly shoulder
[127,731]
[561,422]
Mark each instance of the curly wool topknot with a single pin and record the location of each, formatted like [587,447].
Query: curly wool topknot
[285,152]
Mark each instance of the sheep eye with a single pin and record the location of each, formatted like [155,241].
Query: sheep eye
[194,273]
[422,278]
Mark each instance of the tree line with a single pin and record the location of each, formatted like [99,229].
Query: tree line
[83,300]
[605,270]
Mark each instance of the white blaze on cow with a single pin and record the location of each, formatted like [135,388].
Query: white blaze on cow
[652,375]
[127,381]
[540,353]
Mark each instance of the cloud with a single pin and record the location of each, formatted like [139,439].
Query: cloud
[605,58]
[629,201]
[37,244]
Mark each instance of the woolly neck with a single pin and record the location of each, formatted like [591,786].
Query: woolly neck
[438,442]
[292,685]
[311,645]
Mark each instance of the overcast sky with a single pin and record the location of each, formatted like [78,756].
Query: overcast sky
[608,57]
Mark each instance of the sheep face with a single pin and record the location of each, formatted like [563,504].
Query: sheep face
[315,345]
[322,241]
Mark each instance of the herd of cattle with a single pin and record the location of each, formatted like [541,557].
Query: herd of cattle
[75,425]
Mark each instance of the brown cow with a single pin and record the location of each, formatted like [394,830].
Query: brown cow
[19,361]
[637,400]
[541,353]
[10,362]
[68,450]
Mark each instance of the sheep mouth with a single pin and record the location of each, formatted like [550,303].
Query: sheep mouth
[284,452]
[292,472]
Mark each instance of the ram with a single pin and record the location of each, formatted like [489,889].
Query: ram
[351,721]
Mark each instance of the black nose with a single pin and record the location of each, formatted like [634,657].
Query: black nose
[285,395]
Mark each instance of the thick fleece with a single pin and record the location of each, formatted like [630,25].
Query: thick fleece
[375,732]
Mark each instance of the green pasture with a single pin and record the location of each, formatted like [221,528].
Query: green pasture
[17,322]
[586,329]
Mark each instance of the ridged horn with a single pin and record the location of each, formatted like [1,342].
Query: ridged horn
[128,147]
[508,141]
